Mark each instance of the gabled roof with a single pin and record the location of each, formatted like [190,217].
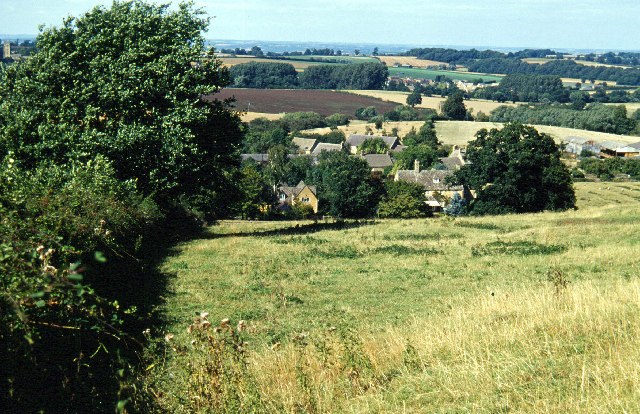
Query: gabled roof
[305,144]
[432,180]
[378,160]
[355,140]
[611,145]
[293,192]
[635,145]
[452,163]
[323,146]
[575,140]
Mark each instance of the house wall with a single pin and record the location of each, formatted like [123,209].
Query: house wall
[307,193]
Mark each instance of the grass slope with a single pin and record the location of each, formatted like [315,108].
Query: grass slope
[417,73]
[431,315]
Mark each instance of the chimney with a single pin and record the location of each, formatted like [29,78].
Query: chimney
[416,166]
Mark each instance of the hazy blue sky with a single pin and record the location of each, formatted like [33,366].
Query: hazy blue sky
[588,24]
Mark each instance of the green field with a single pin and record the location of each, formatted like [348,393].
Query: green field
[519,313]
[417,73]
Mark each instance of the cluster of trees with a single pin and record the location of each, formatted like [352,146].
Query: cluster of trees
[606,169]
[368,75]
[515,170]
[267,75]
[610,58]
[595,117]
[453,56]
[564,68]
[264,75]
[94,168]
[526,88]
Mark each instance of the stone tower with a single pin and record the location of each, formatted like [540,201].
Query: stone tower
[6,51]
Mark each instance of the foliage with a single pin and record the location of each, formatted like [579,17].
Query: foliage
[368,75]
[595,117]
[336,120]
[373,146]
[425,136]
[424,154]
[403,200]
[414,98]
[264,75]
[256,194]
[345,186]
[366,113]
[606,169]
[516,170]
[457,206]
[454,108]
[563,68]
[526,88]
[298,121]
[140,107]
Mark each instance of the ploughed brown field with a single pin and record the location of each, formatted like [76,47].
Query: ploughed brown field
[275,101]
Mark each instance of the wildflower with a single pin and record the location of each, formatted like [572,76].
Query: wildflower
[108,232]
[204,315]
[49,253]
[193,342]
[40,249]
[205,324]
[168,337]
[333,328]
[224,322]
[97,230]
[50,270]
[275,346]
[102,223]
[242,325]
[146,331]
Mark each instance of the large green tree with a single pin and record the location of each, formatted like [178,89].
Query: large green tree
[346,186]
[516,170]
[126,82]
[453,107]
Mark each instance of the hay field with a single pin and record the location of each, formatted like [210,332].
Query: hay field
[461,132]
[298,65]
[531,313]
[408,60]
[433,102]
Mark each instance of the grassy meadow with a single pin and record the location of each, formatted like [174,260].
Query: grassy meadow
[418,73]
[519,313]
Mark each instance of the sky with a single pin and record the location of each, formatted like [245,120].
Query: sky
[560,24]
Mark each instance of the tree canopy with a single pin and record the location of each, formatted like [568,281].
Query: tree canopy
[454,108]
[121,83]
[516,170]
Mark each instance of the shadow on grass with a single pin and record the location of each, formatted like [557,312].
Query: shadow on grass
[295,230]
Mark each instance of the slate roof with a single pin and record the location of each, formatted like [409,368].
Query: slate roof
[635,145]
[323,146]
[432,180]
[355,140]
[611,145]
[305,144]
[261,158]
[451,163]
[378,160]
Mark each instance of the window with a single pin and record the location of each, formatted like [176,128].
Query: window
[305,199]
[283,196]
[436,180]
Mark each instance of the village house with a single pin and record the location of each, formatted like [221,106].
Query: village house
[300,194]
[437,191]
[323,146]
[377,162]
[575,145]
[305,145]
[353,142]
[455,160]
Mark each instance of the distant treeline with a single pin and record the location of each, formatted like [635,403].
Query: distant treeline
[267,75]
[491,61]
[563,68]
[463,57]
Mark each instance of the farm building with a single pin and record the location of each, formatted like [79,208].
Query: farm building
[575,145]
[617,149]
[437,191]
[355,140]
